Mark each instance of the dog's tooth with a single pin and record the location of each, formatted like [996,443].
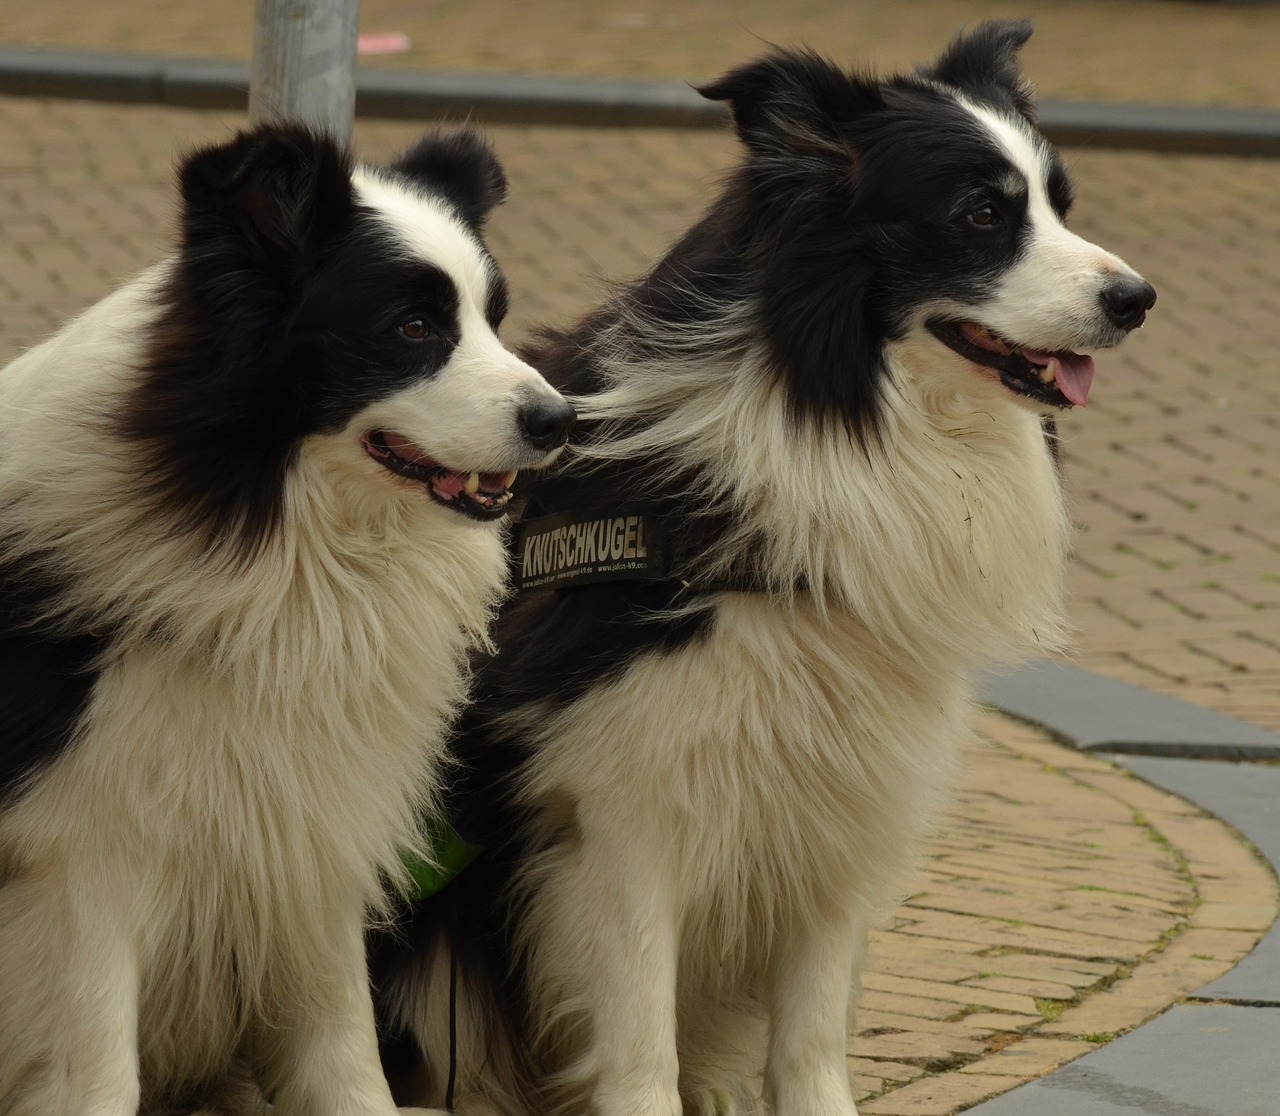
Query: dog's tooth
[509,478]
[472,485]
[1047,374]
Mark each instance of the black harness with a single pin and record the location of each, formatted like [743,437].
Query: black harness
[569,549]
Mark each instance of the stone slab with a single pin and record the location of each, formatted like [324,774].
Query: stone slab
[1094,713]
[1247,797]
[1195,1060]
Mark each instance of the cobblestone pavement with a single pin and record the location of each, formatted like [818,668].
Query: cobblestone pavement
[1064,901]
[1189,51]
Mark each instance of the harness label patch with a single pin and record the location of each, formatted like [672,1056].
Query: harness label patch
[563,550]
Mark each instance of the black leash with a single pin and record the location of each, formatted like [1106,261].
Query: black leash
[453,1000]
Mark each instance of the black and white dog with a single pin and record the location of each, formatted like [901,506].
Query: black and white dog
[248,537]
[810,499]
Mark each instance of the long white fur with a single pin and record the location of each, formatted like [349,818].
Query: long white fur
[740,834]
[746,807]
[189,881]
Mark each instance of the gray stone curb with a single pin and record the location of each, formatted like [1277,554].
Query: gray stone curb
[601,102]
[1248,798]
[1097,714]
[1215,1054]
[1191,1061]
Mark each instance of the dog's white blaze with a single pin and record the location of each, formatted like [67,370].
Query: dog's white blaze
[465,416]
[429,230]
[1049,299]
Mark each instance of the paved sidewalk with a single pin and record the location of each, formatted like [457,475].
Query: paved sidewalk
[1065,901]
[1193,52]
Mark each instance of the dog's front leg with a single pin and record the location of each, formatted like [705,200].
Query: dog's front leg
[68,1002]
[810,985]
[318,1054]
[605,940]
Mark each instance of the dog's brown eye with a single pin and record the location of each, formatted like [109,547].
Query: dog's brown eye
[985,217]
[415,330]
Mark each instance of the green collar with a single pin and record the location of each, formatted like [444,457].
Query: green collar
[450,855]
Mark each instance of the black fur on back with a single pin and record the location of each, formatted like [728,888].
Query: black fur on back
[46,675]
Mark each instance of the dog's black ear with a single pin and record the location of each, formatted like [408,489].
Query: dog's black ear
[283,188]
[794,102]
[460,166]
[984,63]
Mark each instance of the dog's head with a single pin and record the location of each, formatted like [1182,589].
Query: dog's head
[922,210]
[316,308]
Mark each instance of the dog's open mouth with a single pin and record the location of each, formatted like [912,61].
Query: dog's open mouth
[1061,379]
[479,495]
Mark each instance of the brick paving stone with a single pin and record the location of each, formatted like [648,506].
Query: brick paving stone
[962,995]
[892,947]
[1003,1021]
[885,1071]
[995,872]
[1234,916]
[1073,973]
[1030,1058]
[1036,989]
[959,1025]
[939,1095]
[926,966]
[913,1047]
[921,1007]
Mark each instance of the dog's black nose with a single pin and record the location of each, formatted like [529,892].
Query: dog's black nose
[1127,298]
[546,422]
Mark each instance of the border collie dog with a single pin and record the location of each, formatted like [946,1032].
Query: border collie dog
[697,785]
[248,538]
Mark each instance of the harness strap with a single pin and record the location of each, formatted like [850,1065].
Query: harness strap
[567,549]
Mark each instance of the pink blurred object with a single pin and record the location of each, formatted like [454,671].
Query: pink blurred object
[382,42]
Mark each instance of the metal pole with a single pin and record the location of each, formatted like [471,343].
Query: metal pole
[304,64]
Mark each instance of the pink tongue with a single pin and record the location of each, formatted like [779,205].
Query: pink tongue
[448,484]
[1073,373]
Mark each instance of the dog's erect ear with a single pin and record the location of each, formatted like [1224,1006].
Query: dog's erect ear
[793,101]
[984,63]
[284,188]
[462,168]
